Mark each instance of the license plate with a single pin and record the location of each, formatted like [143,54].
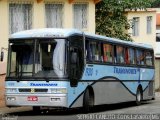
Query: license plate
[32,98]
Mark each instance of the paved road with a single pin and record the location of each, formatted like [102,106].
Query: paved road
[121,111]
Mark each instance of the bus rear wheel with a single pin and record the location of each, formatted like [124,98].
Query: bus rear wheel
[138,96]
[88,101]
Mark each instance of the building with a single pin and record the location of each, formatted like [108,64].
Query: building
[143,26]
[18,15]
[157,56]
[157,51]
[143,30]
[158,19]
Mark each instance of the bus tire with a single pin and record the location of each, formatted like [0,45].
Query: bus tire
[139,96]
[88,100]
[153,98]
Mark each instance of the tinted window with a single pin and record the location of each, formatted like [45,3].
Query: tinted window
[93,51]
[131,56]
[120,54]
[149,58]
[140,55]
[21,59]
[107,52]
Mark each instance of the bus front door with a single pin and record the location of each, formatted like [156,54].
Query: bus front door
[76,60]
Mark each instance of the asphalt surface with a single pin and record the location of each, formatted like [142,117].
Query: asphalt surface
[148,110]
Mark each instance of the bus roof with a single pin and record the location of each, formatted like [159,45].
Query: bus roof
[45,33]
[119,41]
[57,32]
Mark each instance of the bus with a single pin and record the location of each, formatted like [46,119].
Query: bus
[67,68]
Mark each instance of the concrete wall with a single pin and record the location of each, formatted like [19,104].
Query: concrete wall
[2,89]
[157,74]
[39,14]
[38,19]
[158,27]
[158,12]
[157,52]
[4,32]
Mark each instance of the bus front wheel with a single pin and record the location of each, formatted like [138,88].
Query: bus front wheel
[88,101]
[139,96]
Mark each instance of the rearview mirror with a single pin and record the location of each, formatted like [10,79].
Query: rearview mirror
[2,56]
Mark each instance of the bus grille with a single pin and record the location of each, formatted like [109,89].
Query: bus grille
[32,90]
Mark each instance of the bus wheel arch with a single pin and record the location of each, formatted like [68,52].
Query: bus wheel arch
[139,95]
[88,99]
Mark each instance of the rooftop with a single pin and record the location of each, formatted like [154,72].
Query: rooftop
[142,10]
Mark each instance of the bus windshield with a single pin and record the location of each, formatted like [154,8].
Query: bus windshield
[44,58]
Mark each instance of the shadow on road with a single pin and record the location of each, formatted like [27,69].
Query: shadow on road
[64,112]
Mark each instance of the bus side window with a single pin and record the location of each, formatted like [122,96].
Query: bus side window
[131,56]
[98,52]
[140,55]
[107,53]
[127,61]
[90,51]
[93,51]
[115,54]
[149,58]
[120,54]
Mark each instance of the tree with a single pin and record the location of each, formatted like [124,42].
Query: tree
[111,20]
[156,3]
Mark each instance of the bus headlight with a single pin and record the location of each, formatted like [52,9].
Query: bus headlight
[11,90]
[59,90]
[11,98]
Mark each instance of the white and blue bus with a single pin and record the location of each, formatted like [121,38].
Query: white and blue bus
[68,68]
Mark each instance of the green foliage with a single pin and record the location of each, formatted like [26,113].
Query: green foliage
[111,20]
[156,3]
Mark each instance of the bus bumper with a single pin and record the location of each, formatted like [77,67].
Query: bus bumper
[52,100]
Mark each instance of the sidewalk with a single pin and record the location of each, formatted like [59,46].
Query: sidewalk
[6,110]
[157,95]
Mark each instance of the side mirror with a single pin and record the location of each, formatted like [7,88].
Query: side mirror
[2,56]
[74,57]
